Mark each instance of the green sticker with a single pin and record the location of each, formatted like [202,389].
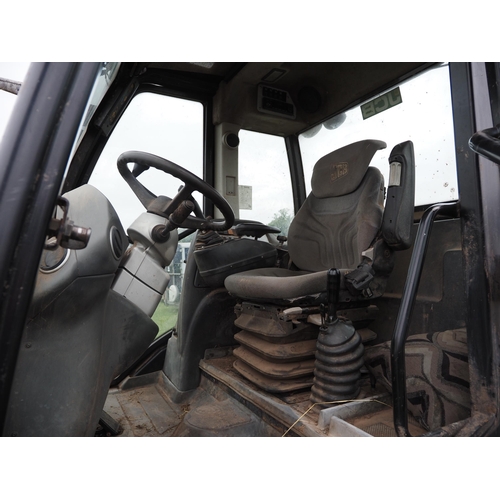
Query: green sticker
[381,103]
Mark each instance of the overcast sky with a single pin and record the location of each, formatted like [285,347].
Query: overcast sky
[12,71]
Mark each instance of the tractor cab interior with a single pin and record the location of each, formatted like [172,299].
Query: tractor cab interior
[279,210]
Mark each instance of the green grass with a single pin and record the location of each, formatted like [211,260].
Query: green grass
[165,316]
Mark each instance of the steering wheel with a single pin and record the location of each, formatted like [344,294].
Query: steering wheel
[176,209]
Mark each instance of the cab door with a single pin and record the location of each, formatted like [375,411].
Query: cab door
[34,154]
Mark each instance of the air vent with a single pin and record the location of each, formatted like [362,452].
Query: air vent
[275,102]
[117,246]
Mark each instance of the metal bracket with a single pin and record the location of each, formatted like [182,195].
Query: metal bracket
[63,232]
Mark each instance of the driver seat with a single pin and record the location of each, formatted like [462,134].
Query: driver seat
[338,221]
[340,225]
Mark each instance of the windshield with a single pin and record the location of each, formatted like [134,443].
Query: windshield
[418,110]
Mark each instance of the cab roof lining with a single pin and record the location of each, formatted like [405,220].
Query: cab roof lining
[341,85]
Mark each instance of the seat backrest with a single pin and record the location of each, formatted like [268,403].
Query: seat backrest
[343,213]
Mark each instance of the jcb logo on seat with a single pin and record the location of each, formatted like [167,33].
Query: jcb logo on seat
[339,170]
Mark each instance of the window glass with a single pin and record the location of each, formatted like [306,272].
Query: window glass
[421,112]
[173,129]
[265,186]
[164,126]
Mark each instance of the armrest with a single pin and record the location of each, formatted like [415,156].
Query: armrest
[254,229]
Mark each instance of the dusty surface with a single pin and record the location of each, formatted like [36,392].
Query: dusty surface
[145,412]
[226,404]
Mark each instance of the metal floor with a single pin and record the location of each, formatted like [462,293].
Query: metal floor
[227,405]
[144,411]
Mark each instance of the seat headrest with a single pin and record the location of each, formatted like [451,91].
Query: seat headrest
[340,172]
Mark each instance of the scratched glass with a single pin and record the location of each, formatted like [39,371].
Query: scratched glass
[418,110]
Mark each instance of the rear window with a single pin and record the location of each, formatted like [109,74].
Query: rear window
[419,110]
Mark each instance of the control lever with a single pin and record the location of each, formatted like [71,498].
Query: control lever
[332,296]
[339,352]
[161,233]
[296,313]
[63,232]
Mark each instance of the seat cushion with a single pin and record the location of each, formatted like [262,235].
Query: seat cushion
[333,232]
[437,376]
[275,283]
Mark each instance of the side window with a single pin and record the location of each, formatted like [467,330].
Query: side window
[419,110]
[265,186]
[173,129]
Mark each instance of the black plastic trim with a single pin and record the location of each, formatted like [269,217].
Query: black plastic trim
[296,171]
[140,365]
